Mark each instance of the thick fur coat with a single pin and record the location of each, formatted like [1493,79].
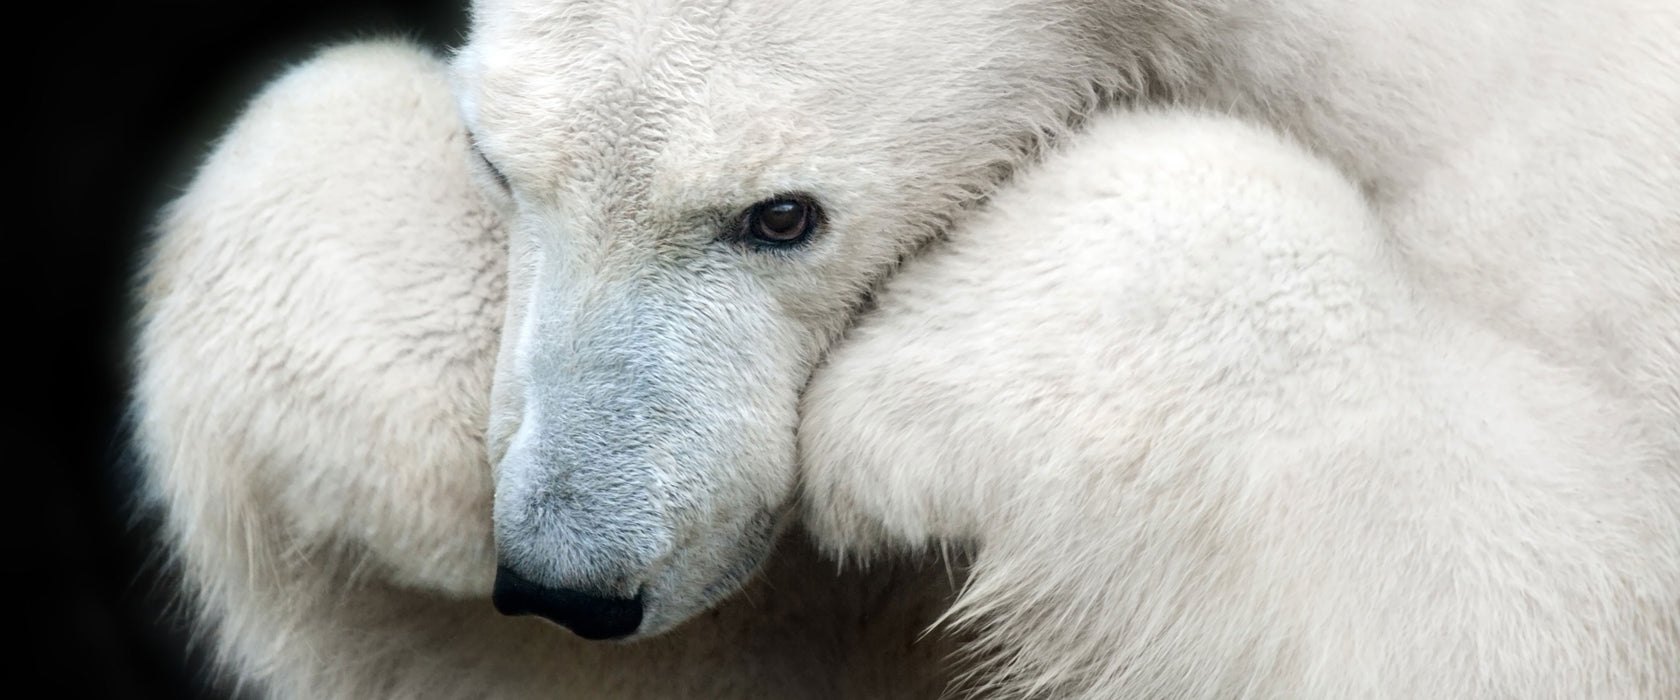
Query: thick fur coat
[1367,387]
[313,372]
[1213,443]
[1518,158]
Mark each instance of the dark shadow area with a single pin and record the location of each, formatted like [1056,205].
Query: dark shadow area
[116,105]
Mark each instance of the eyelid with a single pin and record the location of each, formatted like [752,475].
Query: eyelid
[483,160]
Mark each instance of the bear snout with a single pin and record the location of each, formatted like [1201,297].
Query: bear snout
[586,615]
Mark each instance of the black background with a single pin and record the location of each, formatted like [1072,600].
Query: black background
[112,107]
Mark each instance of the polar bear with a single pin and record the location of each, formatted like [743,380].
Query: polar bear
[318,321]
[695,214]
[702,195]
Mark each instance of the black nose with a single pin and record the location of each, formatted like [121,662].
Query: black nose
[588,616]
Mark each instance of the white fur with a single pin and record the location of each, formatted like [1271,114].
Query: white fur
[1465,324]
[1519,157]
[313,368]
[1209,440]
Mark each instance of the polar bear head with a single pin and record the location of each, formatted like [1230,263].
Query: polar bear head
[699,195]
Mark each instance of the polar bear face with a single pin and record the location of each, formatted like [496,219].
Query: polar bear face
[699,195]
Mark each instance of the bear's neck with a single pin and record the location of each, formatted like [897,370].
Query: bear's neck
[1372,85]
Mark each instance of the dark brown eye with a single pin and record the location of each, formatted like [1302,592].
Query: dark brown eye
[781,222]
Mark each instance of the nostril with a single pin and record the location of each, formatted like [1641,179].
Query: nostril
[588,616]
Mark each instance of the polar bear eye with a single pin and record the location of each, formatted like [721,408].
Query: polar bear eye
[783,221]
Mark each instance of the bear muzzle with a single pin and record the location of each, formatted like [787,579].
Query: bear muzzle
[586,615]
